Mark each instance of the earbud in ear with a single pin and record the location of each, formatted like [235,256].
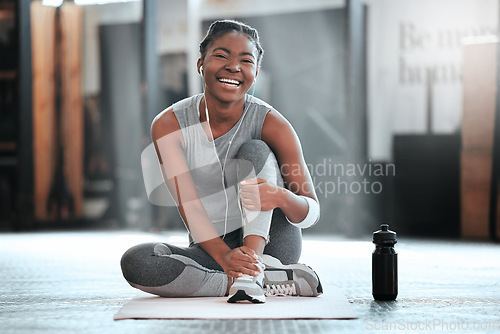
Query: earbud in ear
[201,70]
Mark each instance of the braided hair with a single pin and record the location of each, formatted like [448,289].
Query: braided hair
[221,27]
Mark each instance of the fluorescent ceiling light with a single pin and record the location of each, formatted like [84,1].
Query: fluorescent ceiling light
[100,2]
[53,3]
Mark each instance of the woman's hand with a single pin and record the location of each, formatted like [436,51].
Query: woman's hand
[240,261]
[259,195]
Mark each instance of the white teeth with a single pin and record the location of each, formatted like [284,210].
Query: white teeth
[229,81]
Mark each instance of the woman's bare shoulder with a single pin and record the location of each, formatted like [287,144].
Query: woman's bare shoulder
[275,124]
[164,123]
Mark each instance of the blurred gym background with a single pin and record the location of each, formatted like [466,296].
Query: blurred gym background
[395,102]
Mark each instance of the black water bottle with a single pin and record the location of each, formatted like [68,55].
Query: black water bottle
[384,265]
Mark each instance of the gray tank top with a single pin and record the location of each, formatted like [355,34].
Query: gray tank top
[202,162]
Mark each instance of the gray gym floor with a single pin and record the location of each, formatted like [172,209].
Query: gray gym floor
[70,282]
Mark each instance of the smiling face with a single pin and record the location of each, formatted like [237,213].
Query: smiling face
[229,67]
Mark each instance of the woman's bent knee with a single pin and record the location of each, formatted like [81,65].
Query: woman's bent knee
[140,265]
[254,158]
[254,151]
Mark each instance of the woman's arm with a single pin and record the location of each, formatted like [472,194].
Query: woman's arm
[169,144]
[280,136]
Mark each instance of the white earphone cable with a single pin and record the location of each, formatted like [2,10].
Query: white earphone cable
[223,166]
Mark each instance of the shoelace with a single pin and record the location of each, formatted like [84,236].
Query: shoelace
[260,265]
[280,290]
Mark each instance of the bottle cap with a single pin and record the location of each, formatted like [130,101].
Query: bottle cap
[384,235]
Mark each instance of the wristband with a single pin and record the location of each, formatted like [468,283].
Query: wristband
[312,214]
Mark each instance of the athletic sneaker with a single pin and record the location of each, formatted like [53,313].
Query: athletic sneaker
[248,288]
[289,280]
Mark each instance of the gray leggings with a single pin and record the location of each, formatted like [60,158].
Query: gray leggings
[171,271]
